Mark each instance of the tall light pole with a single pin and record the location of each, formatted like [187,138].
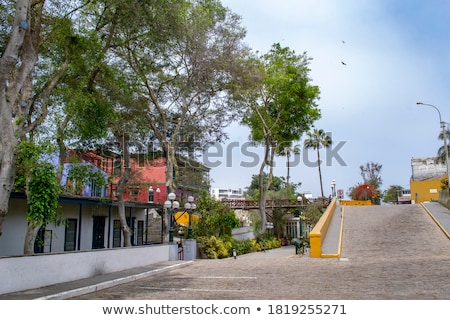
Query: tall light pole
[171,205]
[444,135]
[150,194]
[333,188]
[158,191]
[300,199]
[190,206]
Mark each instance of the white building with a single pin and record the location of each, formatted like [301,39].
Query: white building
[222,193]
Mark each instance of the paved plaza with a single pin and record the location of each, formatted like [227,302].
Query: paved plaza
[388,252]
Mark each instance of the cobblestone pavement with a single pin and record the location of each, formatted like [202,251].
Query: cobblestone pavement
[388,252]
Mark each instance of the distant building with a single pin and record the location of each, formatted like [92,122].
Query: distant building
[222,193]
[426,177]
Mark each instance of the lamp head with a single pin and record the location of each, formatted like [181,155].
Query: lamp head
[167,204]
[171,196]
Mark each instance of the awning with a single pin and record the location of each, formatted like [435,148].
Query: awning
[182,218]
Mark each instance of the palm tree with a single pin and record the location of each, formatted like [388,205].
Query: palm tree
[316,139]
[288,151]
[441,152]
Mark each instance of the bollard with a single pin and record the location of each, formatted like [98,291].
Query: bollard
[234,253]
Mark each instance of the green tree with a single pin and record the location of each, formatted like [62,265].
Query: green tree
[277,184]
[317,139]
[280,107]
[217,219]
[38,179]
[391,194]
[370,172]
[21,39]
[183,79]
[288,151]
[312,213]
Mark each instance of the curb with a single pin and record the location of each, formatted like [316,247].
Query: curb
[110,283]
[435,220]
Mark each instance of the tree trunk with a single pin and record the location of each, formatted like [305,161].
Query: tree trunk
[30,238]
[264,187]
[320,172]
[22,46]
[121,186]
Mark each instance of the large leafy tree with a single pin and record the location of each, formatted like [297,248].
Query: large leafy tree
[280,108]
[183,83]
[318,138]
[25,101]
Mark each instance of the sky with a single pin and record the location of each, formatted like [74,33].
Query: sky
[395,53]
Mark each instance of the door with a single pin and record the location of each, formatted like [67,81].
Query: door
[98,233]
[117,234]
[70,237]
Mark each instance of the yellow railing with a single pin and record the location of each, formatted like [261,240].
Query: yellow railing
[344,202]
[317,235]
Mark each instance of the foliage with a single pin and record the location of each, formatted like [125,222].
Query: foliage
[279,108]
[442,155]
[278,185]
[317,139]
[43,194]
[217,219]
[370,173]
[38,178]
[312,213]
[86,175]
[365,192]
[222,247]
[444,183]
[391,194]
[214,248]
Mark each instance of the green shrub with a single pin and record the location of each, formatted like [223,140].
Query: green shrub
[218,248]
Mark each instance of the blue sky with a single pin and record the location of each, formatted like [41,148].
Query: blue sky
[396,53]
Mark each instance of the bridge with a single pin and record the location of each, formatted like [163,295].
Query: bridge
[245,204]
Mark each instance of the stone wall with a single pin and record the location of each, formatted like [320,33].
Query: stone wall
[444,198]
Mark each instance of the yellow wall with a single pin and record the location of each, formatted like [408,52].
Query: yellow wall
[317,235]
[344,202]
[425,190]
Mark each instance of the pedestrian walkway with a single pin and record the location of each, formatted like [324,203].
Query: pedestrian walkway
[440,214]
[369,269]
[75,288]
[330,245]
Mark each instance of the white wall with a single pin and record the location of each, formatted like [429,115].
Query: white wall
[15,226]
[14,229]
[28,272]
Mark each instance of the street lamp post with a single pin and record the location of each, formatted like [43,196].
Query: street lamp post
[150,194]
[333,188]
[158,191]
[299,199]
[444,135]
[190,206]
[171,205]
